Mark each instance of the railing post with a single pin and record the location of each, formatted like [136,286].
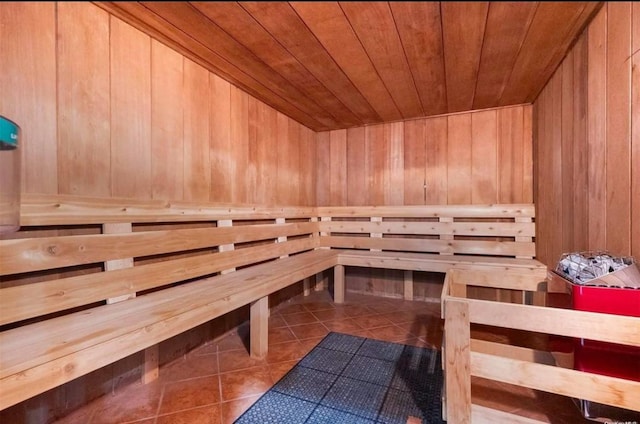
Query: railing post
[457,361]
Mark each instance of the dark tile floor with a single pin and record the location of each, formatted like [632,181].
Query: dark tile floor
[218,381]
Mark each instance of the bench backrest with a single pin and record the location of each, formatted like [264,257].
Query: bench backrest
[74,253]
[488,230]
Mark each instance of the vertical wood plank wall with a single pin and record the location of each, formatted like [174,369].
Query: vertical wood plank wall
[477,157]
[587,142]
[110,112]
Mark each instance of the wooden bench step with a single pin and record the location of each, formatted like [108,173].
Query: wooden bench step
[46,354]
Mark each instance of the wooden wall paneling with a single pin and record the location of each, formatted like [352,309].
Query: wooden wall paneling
[635,132]
[223,164]
[376,29]
[83,100]
[510,134]
[507,26]
[377,148]
[241,186]
[288,154]
[293,162]
[394,133]
[542,178]
[618,150]
[596,131]
[130,111]
[420,27]
[527,177]
[436,160]
[307,168]
[357,158]
[580,198]
[542,36]
[263,154]
[255,143]
[230,53]
[197,162]
[338,167]
[459,159]
[28,40]
[553,166]
[414,162]
[326,20]
[281,20]
[484,157]
[463,25]
[566,152]
[167,122]
[323,170]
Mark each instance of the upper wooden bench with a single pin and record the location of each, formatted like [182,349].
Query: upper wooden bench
[431,238]
[87,282]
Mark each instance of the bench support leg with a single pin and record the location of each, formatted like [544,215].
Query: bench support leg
[319,282]
[338,284]
[151,359]
[306,286]
[408,285]
[259,327]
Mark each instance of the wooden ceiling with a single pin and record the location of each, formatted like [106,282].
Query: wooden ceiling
[332,65]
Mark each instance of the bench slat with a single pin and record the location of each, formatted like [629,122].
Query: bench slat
[423,211]
[63,335]
[35,254]
[32,300]
[472,247]
[499,229]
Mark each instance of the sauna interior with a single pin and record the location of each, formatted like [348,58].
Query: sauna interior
[254,107]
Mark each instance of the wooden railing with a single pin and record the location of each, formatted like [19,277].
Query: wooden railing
[465,357]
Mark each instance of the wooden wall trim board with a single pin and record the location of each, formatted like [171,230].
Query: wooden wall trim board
[587,143]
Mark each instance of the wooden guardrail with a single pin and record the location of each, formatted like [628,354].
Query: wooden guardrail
[536,369]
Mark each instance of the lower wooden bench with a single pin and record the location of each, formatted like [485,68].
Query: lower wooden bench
[43,355]
[410,262]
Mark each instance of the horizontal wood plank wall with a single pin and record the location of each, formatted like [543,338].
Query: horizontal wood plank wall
[587,141]
[107,111]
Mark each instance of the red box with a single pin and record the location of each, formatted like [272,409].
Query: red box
[597,357]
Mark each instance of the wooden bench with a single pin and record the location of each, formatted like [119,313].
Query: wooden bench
[545,370]
[87,282]
[430,238]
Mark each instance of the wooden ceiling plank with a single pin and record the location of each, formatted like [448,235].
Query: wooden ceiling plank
[554,28]
[184,16]
[283,23]
[377,32]
[331,27]
[239,24]
[507,26]
[420,28]
[135,14]
[463,27]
